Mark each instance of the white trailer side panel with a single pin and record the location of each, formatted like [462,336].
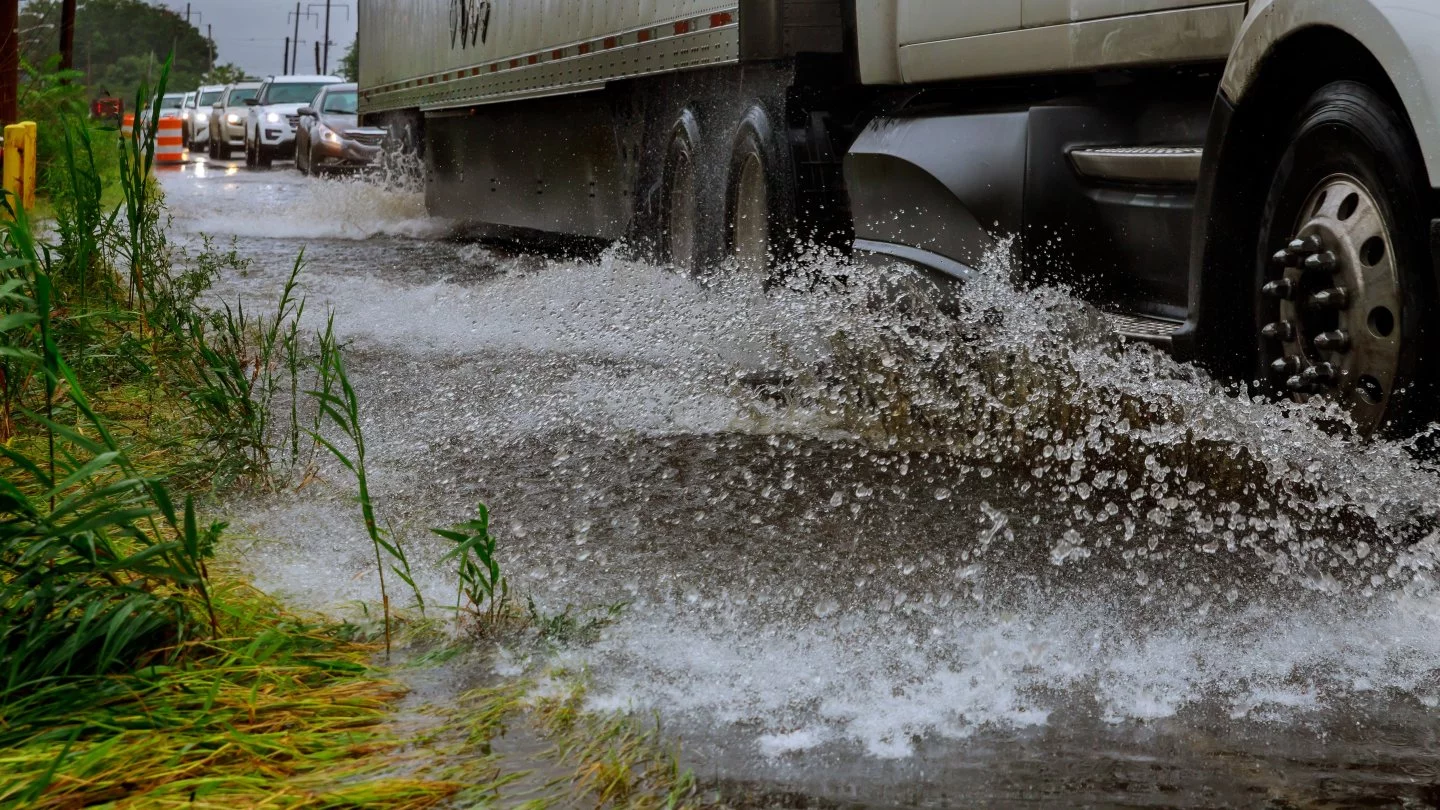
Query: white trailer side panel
[438,54]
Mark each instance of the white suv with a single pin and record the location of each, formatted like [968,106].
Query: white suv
[274,113]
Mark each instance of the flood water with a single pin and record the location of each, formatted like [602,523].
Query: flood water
[868,556]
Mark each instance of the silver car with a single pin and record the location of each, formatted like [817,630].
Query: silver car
[227,119]
[329,133]
[197,123]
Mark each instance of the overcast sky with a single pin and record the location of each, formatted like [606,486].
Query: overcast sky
[251,33]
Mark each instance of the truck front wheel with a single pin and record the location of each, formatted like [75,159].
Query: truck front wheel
[1345,285]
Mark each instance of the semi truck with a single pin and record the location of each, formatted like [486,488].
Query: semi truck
[1254,186]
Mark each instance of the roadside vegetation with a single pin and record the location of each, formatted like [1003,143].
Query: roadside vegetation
[135,670]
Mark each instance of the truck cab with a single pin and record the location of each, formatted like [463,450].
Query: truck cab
[1250,185]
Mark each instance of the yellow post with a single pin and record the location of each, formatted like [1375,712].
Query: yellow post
[32,153]
[19,169]
[14,170]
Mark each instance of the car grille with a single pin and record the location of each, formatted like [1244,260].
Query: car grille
[294,121]
[366,138]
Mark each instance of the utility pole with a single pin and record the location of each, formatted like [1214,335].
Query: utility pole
[285,68]
[317,57]
[329,5]
[67,35]
[9,61]
[210,40]
[294,55]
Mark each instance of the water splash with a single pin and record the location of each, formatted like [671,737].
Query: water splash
[850,516]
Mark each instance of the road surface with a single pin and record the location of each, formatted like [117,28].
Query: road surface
[868,556]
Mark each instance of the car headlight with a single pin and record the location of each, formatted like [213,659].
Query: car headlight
[329,136]
[232,118]
[185,115]
[273,118]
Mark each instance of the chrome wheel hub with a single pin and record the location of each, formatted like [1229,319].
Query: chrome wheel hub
[1338,293]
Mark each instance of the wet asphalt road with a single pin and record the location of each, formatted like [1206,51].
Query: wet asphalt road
[867,557]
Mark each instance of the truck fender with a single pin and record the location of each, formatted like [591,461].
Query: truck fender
[1399,35]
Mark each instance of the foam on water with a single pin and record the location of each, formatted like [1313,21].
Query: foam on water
[841,521]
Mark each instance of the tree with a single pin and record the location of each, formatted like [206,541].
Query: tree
[228,73]
[119,43]
[350,62]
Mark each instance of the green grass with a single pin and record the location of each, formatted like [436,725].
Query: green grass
[129,675]
[272,711]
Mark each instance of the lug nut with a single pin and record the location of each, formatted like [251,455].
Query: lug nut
[1285,367]
[1279,330]
[1325,262]
[1334,298]
[1337,341]
[1283,259]
[1305,247]
[1320,374]
[1283,289]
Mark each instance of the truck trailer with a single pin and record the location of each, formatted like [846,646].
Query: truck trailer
[1254,186]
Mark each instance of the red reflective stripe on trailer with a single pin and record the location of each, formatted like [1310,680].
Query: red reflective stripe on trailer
[610,42]
[682,27]
[721,20]
[558,53]
[643,36]
[534,59]
[584,48]
[495,67]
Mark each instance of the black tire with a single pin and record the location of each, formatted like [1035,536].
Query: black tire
[250,158]
[302,158]
[264,158]
[760,197]
[1347,130]
[680,197]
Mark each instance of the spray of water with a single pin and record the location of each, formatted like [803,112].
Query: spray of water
[848,512]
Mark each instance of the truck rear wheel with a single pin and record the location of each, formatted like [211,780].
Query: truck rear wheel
[1346,286]
[759,206]
[680,200]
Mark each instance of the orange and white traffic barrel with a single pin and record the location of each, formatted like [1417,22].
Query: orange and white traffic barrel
[170,142]
[128,126]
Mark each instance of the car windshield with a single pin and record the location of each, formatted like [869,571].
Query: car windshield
[342,103]
[172,102]
[292,93]
[207,99]
[240,95]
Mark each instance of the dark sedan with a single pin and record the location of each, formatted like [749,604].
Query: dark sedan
[329,134]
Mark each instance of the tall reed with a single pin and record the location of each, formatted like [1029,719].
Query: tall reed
[142,208]
[342,410]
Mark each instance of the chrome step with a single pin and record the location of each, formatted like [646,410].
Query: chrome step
[1141,328]
[1140,164]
